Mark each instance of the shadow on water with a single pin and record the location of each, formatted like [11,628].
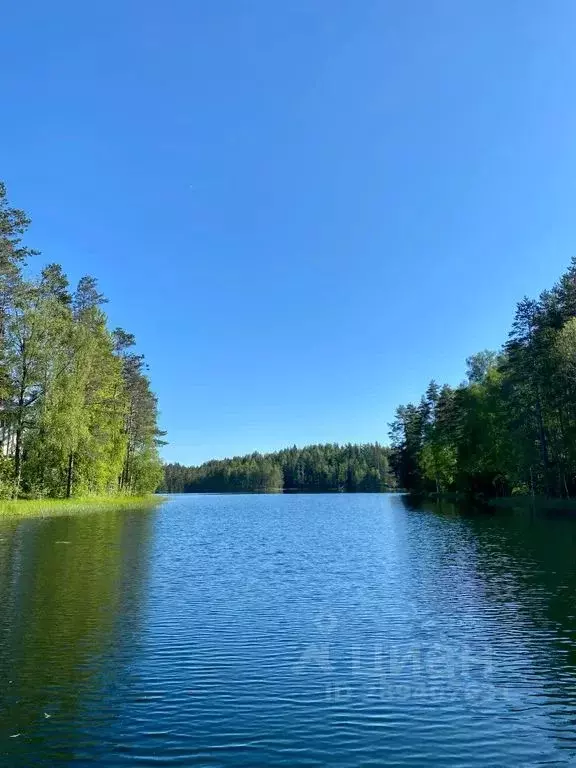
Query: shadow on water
[71,594]
[526,560]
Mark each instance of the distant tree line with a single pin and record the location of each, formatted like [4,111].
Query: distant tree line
[330,467]
[510,428]
[77,415]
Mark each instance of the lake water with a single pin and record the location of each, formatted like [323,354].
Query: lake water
[300,630]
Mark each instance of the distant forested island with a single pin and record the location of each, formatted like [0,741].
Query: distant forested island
[328,467]
[77,414]
[510,428]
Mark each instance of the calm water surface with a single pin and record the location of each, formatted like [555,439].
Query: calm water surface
[288,630]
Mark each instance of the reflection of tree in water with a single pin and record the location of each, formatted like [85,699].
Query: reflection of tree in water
[71,591]
[526,564]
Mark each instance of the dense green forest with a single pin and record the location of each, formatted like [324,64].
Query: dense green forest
[511,426]
[328,467]
[77,415]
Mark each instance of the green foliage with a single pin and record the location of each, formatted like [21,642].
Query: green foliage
[77,416]
[329,467]
[511,427]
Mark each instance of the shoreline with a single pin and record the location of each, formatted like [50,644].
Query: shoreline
[533,502]
[540,503]
[49,507]
[277,491]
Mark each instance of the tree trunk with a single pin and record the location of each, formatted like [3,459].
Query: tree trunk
[17,462]
[543,442]
[20,424]
[126,470]
[69,478]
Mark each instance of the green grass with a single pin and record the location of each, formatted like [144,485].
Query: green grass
[41,507]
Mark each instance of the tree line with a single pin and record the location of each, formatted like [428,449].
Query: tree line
[510,428]
[330,467]
[77,414]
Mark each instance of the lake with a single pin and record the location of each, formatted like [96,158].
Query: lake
[295,630]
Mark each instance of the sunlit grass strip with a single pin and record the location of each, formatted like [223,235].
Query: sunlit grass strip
[40,507]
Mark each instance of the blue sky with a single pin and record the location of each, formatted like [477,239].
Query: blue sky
[304,210]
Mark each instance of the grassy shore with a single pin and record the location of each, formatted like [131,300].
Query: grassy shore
[41,507]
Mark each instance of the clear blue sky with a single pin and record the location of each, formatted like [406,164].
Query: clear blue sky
[304,210]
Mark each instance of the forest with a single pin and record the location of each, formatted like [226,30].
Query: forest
[510,428]
[330,467]
[77,414]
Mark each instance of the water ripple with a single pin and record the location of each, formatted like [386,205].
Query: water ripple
[288,630]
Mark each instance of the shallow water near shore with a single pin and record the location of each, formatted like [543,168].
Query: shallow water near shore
[295,630]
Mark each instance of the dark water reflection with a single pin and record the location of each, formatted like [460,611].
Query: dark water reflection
[317,630]
[71,591]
